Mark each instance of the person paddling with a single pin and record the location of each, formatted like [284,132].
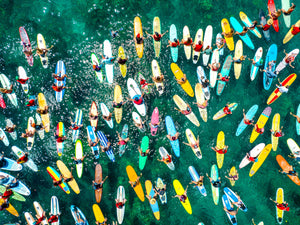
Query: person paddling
[289,11]
[215,183]
[193,145]
[121,140]
[243,33]
[182,197]
[182,80]
[198,183]
[233,177]
[226,109]
[289,59]
[281,88]
[98,186]
[166,160]
[175,43]
[277,133]
[282,206]
[7,91]
[187,42]
[23,159]
[138,39]
[173,138]
[247,121]
[156,36]
[74,125]
[187,111]
[295,29]
[198,46]
[136,182]
[297,117]
[220,151]
[60,138]
[267,26]
[60,78]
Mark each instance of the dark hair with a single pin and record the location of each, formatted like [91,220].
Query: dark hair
[199,42]
[175,40]
[156,33]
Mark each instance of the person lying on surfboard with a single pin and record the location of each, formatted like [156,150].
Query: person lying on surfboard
[96,66]
[10,129]
[239,60]
[40,218]
[253,25]
[281,88]
[208,50]
[4,205]
[231,211]
[53,218]
[258,129]
[136,182]
[115,33]
[74,125]
[220,151]
[107,118]
[122,61]
[23,159]
[233,177]
[158,79]
[175,43]
[295,30]
[58,182]
[274,15]
[223,78]
[166,160]
[195,145]
[187,111]
[247,121]
[42,111]
[58,78]
[187,42]
[22,81]
[43,52]
[145,86]
[243,33]
[258,63]
[156,36]
[58,88]
[277,133]
[160,191]
[139,125]
[78,161]
[182,197]
[155,125]
[215,183]
[91,143]
[7,91]
[214,66]
[6,194]
[68,179]
[173,138]
[270,73]
[203,105]
[182,80]
[119,204]
[60,139]
[288,59]
[107,60]
[229,34]
[118,105]
[78,218]
[98,186]
[152,200]
[143,154]
[220,42]
[289,11]
[28,133]
[198,46]
[289,171]
[267,25]
[137,99]
[282,206]
[105,149]
[226,109]
[198,183]
[297,117]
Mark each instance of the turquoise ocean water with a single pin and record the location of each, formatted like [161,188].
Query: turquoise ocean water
[77,28]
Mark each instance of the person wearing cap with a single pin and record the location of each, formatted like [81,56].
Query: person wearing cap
[267,25]
[139,39]
[156,36]
[174,44]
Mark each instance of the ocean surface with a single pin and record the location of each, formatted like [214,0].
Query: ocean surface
[78,28]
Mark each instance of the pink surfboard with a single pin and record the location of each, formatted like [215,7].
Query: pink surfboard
[2,102]
[154,121]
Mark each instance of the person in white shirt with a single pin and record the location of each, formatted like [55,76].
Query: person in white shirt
[282,89]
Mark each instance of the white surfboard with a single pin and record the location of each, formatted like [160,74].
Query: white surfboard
[283,64]
[207,42]
[157,73]
[285,4]
[164,153]
[109,68]
[253,153]
[294,148]
[257,58]
[9,123]
[214,74]
[23,75]
[187,49]
[29,163]
[133,90]
[39,121]
[54,208]
[105,112]
[121,197]
[198,37]
[5,139]
[30,140]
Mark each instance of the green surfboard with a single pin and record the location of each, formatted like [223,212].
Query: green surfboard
[144,147]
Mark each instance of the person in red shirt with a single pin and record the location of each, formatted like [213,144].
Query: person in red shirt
[220,151]
[193,145]
[156,36]
[198,46]
[22,81]
[250,158]
[247,121]
[277,133]
[7,193]
[119,204]
[137,99]
[166,160]
[226,110]
[40,219]
[259,130]
[58,88]
[53,218]
[23,159]
[187,42]
[59,139]
[283,206]
[187,111]
[75,126]
[214,66]
[174,44]
[295,30]
[267,25]
[121,140]
[223,78]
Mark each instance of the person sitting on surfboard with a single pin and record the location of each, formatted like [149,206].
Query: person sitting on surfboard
[98,186]
[119,204]
[58,88]
[182,197]
[187,42]
[7,91]
[137,99]
[156,36]
[136,182]
[220,151]
[43,52]
[295,30]
[59,139]
[144,86]
[58,78]
[93,117]
[160,191]
[107,60]
[295,155]
[78,161]
[289,11]
[152,200]
[277,133]
[9,129]
[214,66]
[220,42]
[215,183]
[281,88]
[115,33]
[53,218]
[22,81]
[258,63]
[233,177]
[166,160]
[23,159]
[122,61]
[226,110]
[267,25]
[259,130]
[31,102]
[91,143]
[193,145]
[289,171]
[231,211]
[247,121]
[143,154]
[288,59]
[243,33]
[203,105]
[270,73]
[118,105]
[223,78]
[158,79]
[107,118]
[250,158]
[174,44]
[105,149]
[239,60]
[282,206]
[182,80]
[253,25]
[297,117]
[173,138]
[187,111]
[198,46]
[28,134]
[42,111]
[274,15]
[198,183]
[103,223]
[229,34]
[40,218]
[138,39]
[80,221]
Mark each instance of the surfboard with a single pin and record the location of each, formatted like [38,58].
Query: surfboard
[225,72]
[220,145]
[45,117]
[121,197]
[285,165]
[260,160]
[246,20]
[195,177]
[272,8]
[55,176]
[23,75]
[207,42]
[134,90]
[275,127]
[132,176]
[283,64]
[237,54]
[157,73]
[156,28]
[18,152]
[154,205]
[226,28]
[91,135]
[249,115]
[187,49]
[253,153]
[257,58]
[261,122]
[263,21]
[55,209]
[201,78]
[214,74]
[95,61]
[138,30]
[109,67]
[60,70]
[98,180]
[214,174]
[154,120]
[201,99]
[67,174]
[192,140]
[198,37]
[42,45]
[79,155]
[164,154]
[171,130]
[25,40]
[60,132]
[220,114]
[121,54]
[105,112]
[173,35]
[285,4]
[279,200]
[179,75]
[78,121]
[6,84]
[179,191]
[30,140]
[144,148]
[289,34]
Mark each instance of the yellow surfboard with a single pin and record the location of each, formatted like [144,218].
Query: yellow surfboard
[123,68]
[279,200]
[179,74]
[45,117]
[10,208]
[226,28]
[138,188]
[237,54]
[118,98]
[260,160]
[179,191]
[192,140]
[67,174]
[201,99]
[99,217]
[232,172]
[138,30]
[156,28]
[275,127]
[220,145]
[261,122]
[150,192]
[289,34]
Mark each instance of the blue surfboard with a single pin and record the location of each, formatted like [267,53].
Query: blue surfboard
[174,50]
[249,115]
[171,130]
[92,136]
[271,55]
[75,210]
[195,177]
[103,142]
[234,198]
[226,204]
[60,70]
[238,27]
[225,72]
[78,122]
